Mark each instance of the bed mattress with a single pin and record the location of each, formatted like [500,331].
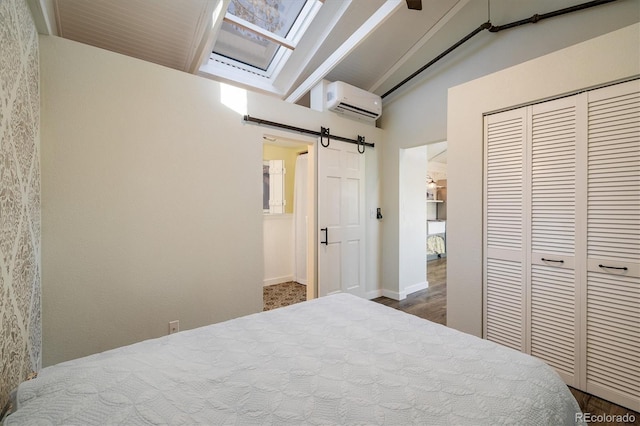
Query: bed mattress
[334,360]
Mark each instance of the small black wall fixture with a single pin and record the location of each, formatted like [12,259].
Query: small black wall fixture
[323,133]
[361,144]
[497,28]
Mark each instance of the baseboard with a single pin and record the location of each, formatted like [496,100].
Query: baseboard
[277,280]
[404,293]
[392,294]
[416,287]
[373,294]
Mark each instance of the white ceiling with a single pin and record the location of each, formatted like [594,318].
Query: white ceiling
[160,31]
[371,44]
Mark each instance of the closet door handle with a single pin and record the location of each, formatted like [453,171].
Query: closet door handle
[622,268]
[326,236]
[552,260]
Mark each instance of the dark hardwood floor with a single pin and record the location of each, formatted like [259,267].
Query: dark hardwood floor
[431,304]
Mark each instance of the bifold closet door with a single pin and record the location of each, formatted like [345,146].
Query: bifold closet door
[555,161]
[613,245]
[504,268]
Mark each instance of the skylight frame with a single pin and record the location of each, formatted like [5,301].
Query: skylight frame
[235,70]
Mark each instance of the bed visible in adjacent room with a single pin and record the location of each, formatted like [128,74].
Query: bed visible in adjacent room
[333,360]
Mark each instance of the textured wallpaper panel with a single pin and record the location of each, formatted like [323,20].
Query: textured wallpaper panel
[20,316]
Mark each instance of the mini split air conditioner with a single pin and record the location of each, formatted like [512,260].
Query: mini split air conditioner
[353,102]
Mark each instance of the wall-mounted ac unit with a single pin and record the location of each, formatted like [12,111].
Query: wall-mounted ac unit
[352,101]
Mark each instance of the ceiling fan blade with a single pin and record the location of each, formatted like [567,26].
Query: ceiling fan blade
[414,4]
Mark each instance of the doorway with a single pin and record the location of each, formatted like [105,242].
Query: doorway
[289,205]
[436,200]
[437,231]
[422,221]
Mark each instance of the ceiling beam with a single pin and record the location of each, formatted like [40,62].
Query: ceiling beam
[366,29]
[425,38]
[287,79]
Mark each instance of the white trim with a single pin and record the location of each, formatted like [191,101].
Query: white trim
[277,280]
[226,74]
[297,31]
[203,51]
[415,287]
[370,295]
[217,67]
[44,16]
[393,294]
[404,293]
[378,18]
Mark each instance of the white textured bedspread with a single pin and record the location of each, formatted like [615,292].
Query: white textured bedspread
[335,360]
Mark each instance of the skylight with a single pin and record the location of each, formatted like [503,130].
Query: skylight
[258,36]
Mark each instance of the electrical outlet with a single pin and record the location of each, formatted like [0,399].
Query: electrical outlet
[174,326]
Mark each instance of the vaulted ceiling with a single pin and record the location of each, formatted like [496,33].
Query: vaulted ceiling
[371,44]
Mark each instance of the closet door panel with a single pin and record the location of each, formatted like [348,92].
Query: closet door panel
[553,177]
[553,296]
[613,244]
[613,217]
[553,321]
[504,303]
[613,337]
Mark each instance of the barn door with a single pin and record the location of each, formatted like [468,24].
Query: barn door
[341,219]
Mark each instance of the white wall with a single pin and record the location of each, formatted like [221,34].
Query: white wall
[603,59]
[417,113]
[278,248]
[151,198]
[413,221]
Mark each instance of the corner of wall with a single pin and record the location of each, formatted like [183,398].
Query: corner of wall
[20,313]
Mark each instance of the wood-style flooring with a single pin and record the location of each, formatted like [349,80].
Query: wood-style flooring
[431,304]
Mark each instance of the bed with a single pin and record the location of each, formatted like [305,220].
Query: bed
[334,360]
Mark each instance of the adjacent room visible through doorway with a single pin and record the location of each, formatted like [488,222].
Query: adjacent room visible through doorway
[287,198]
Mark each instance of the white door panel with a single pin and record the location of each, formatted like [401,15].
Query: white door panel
[341,219]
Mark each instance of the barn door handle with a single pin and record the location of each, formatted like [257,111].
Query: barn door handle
[623,268]
[326,236]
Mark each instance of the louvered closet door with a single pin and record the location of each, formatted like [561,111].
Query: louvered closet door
[613,244]
[505,134]
[553,297]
